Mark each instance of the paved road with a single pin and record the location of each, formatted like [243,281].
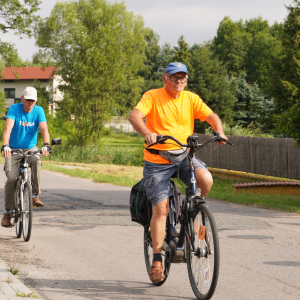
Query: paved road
[84,246]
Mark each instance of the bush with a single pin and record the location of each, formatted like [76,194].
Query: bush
[238,130]
[128,156]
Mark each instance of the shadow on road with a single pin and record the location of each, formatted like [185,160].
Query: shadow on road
[101,289]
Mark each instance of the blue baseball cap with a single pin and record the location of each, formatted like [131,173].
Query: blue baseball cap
[176,67]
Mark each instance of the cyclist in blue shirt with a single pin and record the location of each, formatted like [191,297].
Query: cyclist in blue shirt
[23,122]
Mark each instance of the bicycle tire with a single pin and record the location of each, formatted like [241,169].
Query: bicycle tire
[18,218]
[203,269]
[27,211]
[148,254]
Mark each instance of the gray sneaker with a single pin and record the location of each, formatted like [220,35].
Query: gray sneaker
[6,220]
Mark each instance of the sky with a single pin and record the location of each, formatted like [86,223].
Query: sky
[197,20]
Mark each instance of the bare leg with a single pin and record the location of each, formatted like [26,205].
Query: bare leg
[205,181]
[158,224]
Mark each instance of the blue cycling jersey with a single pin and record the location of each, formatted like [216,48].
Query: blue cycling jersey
[26,127]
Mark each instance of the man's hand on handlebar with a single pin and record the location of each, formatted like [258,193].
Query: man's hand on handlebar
[223,136]
[150,138]
[6,151]
[45,150]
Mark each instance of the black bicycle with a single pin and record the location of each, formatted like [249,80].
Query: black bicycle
[196,242]
[22,214]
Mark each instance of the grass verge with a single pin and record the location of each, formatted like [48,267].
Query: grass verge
[114,174]
[128,175]
[222,190]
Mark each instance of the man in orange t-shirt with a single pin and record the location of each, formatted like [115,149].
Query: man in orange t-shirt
[170,111]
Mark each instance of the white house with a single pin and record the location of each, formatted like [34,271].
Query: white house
[14,81]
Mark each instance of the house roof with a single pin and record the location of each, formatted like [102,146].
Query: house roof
[14,73]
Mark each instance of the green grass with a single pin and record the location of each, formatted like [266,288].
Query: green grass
[118,149]
[123,140]
[14,271]
[24,295]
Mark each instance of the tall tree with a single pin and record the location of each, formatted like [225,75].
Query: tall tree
[165,56]
[209,80]
[43,58]
[9,55]
[18,15]
[160,60]
[182,50]
[99,48]
[151,63]
[286,75]
[182,53]
[250,46]
[252,107]
[231,44]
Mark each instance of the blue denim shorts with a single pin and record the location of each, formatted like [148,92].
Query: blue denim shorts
[158,178]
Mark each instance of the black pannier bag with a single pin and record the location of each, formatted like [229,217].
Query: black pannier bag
[141,207]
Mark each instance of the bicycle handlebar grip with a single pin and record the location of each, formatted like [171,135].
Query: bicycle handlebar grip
[159,137]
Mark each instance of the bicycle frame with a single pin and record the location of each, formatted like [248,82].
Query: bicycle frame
[186,214]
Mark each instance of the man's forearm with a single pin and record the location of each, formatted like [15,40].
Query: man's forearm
[136,120]
[5,138]
[215,122]
[140,127]
[9,124]
[46,137]
[44,132]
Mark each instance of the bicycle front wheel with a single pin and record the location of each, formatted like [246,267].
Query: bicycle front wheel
[27,211]
[18,217]
[148,253]
[203,263]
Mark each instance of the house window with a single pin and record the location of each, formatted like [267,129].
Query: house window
[18,100]
[10,93]
[9,80]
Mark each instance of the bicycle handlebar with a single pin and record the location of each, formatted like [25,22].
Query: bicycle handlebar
[30,153]
[192,141]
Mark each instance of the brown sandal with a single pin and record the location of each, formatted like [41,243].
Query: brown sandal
[156,273]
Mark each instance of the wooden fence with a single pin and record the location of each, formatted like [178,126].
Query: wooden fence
[277,157]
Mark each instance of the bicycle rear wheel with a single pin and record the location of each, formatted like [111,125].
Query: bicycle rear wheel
[203,265]
[27,211]
[148,254]
[18,218]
